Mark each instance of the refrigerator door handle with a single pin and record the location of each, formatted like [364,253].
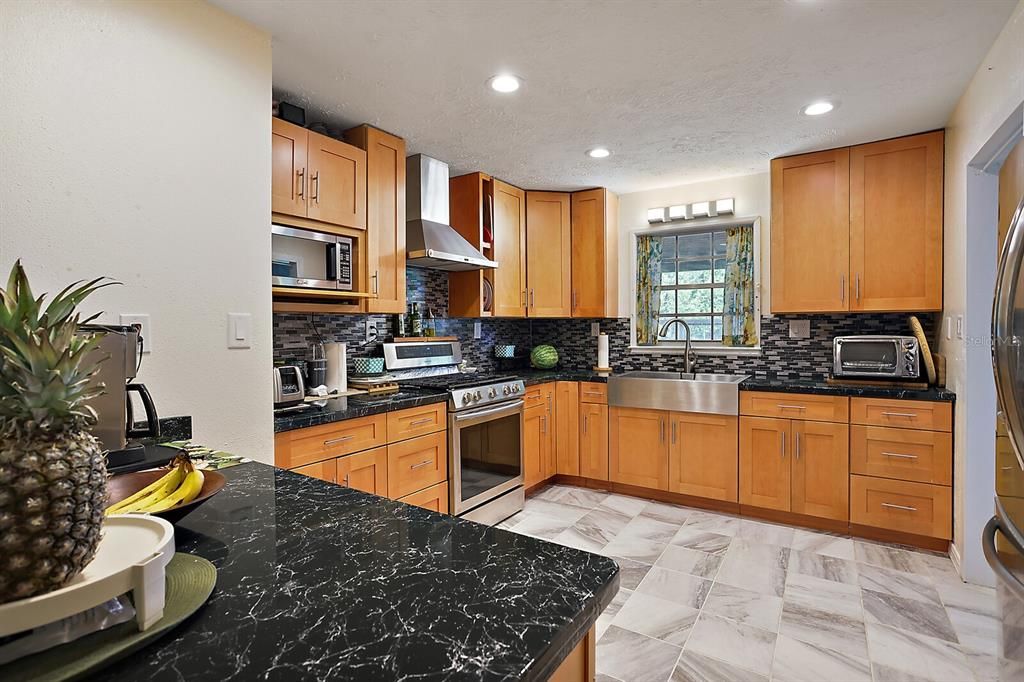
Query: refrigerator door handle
[988,546]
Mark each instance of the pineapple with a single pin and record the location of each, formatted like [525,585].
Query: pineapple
[52,471]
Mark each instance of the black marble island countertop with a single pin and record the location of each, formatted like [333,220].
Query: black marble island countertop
[854,391]
[350,407]
[316,581]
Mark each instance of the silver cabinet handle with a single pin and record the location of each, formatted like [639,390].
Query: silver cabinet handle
[523,295]
[842,288]
[574,299]
[597,393]
[661,429]
[584,423]
[790,407]
[543,423]
[301,173]
[782,443]
[900,455]
[673,432]
[421,464]
[899,506]
[338,440]
[908,415]
[856,286]
[421,422]
[798,446]
[533,301]
[344,481]
[315,187]
[376,279]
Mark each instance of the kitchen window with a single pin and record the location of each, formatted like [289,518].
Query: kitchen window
[705,275]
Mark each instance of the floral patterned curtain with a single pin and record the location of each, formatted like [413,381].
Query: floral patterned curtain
[648,289]
[739,327]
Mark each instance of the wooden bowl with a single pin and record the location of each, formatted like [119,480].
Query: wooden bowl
[125,485]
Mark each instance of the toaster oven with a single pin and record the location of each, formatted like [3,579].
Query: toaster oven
[881,357]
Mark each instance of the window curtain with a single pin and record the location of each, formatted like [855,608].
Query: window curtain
[648,289]
[739,328]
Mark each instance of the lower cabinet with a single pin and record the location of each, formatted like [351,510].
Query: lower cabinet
[566,423]
[638,447]
[593,441]
[535,444]
[902,506]
[434,498]
[366,471]
[417,463]
[326,470]
[702,456]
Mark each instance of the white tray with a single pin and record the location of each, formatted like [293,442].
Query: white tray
[132,555]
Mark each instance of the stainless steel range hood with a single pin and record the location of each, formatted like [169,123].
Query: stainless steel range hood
[430,241]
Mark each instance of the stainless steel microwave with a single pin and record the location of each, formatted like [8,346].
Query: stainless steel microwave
[882,357]
[310,259]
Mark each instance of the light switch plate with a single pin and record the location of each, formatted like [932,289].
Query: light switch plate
[477,330]
[595,329]
[239,330]
[948,323]
[141,319]
[799,329]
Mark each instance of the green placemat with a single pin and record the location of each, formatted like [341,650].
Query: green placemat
[190,580]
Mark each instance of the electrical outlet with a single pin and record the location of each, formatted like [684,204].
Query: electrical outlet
[477,330]
[799,329]
[371,331]
[239,330]
[141,319]
[595,329]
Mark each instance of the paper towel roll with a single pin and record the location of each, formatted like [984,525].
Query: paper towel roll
[337,370]
[602,351]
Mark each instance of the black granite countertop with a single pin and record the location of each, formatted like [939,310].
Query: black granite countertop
[316,581]
[543,376]
[362,405]
[825,388]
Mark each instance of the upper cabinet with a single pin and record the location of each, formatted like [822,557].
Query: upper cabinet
[385,217]
[896,224]
[317,177]
[508,227]
[595,215]
[548,254]
[859,228]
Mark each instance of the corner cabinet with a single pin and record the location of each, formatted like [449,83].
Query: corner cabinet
[548,254]
[859,229]
[595,252]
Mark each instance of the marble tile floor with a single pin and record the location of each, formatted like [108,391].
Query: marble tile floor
[709,597]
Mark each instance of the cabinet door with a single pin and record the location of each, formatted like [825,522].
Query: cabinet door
[821,469]
[366,471]
[594,441]
[337,182]
[548,254]
[289,179]
[810,242]
[434,498]
[566,428]
[639,447]
[508,226]
[534,444]
[385,217]
[764,462]
[896,224]
[417,463]
[588,253]
[326,470]
[703,455]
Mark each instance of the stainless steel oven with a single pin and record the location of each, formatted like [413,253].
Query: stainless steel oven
[486,453]
[309,259]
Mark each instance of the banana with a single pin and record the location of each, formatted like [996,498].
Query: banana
[170,481]
[186,492]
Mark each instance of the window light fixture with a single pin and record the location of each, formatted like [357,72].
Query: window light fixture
[698,209]
[680,212]
[657,215]
[725,206]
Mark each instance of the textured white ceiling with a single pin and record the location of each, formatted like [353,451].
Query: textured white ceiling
[679,91]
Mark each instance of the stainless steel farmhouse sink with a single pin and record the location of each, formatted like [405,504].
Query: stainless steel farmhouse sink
[679,391]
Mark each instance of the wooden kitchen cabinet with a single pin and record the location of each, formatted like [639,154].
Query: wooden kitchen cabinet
[417,463]
[594,441]
[288,168]
[326,470]
[548,254]
[366,471]
[765,472]
[821,470]
[896,224]
[703,455]
[595,239]
[317,443]
[810,235]
[385,217]
[509,236]
[638,445]
[535,445]
[434,498]
[567,428]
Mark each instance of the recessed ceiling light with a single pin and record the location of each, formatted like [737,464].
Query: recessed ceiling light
[505,83]
[599,153]
[817,108]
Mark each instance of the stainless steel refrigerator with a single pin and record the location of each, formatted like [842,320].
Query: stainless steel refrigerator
[1003,537]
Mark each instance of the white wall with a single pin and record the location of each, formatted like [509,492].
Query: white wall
[136,144]
[990,99]
[753,198]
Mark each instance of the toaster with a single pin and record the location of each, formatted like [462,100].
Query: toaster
[289,388]
[876,357]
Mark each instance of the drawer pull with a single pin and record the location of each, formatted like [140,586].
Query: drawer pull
[790,407]
[334,441]
[899,506]
[907,415]
[900,455]
[534,396]
[421,422]
[422,464]
[597,393]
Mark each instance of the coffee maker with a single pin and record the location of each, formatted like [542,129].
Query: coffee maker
[119,352]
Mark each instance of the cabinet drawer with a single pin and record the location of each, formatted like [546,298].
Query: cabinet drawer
[593,392]
[417,464]
[535,394]
[918,508]
[312,444]
[818,408]
[905,454]
[326,470]
[434,498]
[906,414]
[416,421]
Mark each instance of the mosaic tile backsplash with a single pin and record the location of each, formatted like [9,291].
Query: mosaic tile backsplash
[781,356]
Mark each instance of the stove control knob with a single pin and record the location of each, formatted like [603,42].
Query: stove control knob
[476,396]
[492,392]
[465,399]
[507,390]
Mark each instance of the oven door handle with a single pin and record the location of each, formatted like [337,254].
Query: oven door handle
[511,408]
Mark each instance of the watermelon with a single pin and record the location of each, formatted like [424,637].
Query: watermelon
[544,357]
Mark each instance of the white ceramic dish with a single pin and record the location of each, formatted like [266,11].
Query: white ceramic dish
[133,553]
